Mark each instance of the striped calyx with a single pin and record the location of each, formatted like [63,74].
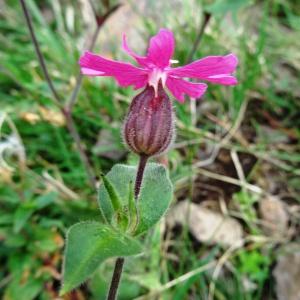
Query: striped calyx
[149,127]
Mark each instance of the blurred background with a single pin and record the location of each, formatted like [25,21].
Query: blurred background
[232,231]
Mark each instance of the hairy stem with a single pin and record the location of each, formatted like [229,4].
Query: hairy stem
[115,281]
[139,176]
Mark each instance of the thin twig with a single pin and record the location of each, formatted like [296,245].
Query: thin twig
[59,186]
[102,18]
[251,187]
[67,108]
[238,166]
[100,22]
[228,253]
[70,103]
[39,54]
[196,44]
[231,133]
[69,120]
[83,156]
[93,8]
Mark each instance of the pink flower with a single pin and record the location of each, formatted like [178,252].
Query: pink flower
[156,66]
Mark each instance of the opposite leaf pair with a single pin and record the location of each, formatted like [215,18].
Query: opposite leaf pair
[90,243]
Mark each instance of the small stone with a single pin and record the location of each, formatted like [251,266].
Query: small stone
[287,275]
[274,216]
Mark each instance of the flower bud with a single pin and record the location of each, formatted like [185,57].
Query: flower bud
[149,126]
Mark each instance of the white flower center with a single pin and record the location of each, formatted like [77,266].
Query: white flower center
[155,76]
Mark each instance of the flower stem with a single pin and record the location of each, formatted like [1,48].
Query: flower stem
[115,281]
[139,176]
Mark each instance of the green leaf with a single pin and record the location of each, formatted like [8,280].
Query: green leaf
[88,244]
[113,194]
[155,197]
[20,289]
[132,207]
[45,200]
[5,219]
[22,215]
[221,7]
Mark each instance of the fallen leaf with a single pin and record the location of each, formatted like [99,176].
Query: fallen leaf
[52,116]
[30,117]
[6,175]
[206,225]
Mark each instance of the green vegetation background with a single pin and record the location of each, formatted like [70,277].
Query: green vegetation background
[44,187]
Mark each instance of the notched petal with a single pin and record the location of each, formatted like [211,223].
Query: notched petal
[161,48]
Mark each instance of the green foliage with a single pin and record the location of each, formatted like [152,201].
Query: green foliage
[221,7]
[254,264]
[89,244]
[154,199]
[25,290]
[98,286]
[246,203]
[36,209]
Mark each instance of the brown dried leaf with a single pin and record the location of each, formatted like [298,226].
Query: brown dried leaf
[6,175]
[52,116]
[206,225]
[30,117]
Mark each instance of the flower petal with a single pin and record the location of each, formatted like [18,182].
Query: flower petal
[161,48]
[91,72]
[224,79]
[141,60]
[125,73]
[216,69]
[178,87]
